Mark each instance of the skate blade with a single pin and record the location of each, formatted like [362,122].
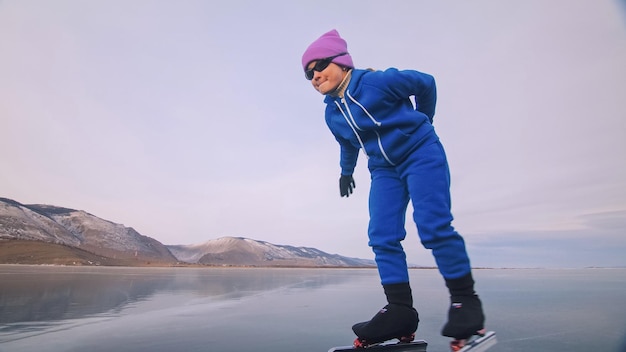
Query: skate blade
[414,346]
[481,343]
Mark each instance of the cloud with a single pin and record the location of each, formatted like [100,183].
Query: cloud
[599,241]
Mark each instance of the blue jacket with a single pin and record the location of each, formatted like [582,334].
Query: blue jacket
[377,115]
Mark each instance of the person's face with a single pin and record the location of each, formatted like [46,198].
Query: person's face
[328,79]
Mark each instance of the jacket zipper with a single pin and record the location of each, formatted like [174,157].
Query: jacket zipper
[377,123]
[355,126]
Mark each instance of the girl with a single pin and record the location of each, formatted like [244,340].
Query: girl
[372,111]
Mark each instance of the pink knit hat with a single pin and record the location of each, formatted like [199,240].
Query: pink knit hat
[329,44]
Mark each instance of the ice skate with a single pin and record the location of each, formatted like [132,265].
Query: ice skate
[394,321]
[465,317]
[466,325]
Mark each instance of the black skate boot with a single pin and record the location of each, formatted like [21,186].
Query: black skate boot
[397,320]
[465,317]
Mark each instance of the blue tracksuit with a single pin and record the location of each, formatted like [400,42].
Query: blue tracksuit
[406,161]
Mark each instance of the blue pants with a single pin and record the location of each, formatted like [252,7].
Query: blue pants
[424,178]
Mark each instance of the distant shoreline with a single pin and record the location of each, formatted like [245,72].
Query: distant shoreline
[200,266]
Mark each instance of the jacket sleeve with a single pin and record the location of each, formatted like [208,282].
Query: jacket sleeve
[348,158]
[348,152]
[406,83]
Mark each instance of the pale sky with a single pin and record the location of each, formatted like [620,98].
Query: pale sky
[192,120]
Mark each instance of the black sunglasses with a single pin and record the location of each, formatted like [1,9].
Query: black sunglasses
[320,65]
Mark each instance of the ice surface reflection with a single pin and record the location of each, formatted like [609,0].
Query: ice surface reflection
[40,293]
[54,309]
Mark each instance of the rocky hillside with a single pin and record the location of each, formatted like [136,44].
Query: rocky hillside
[78,229]
[46,234]
[248,252]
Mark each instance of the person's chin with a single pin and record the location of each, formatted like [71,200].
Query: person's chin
[323,89]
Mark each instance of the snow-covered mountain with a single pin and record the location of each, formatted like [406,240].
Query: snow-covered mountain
[245,251]
[79,229]
[116,244]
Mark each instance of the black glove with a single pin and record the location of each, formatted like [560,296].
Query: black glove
[346,184]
